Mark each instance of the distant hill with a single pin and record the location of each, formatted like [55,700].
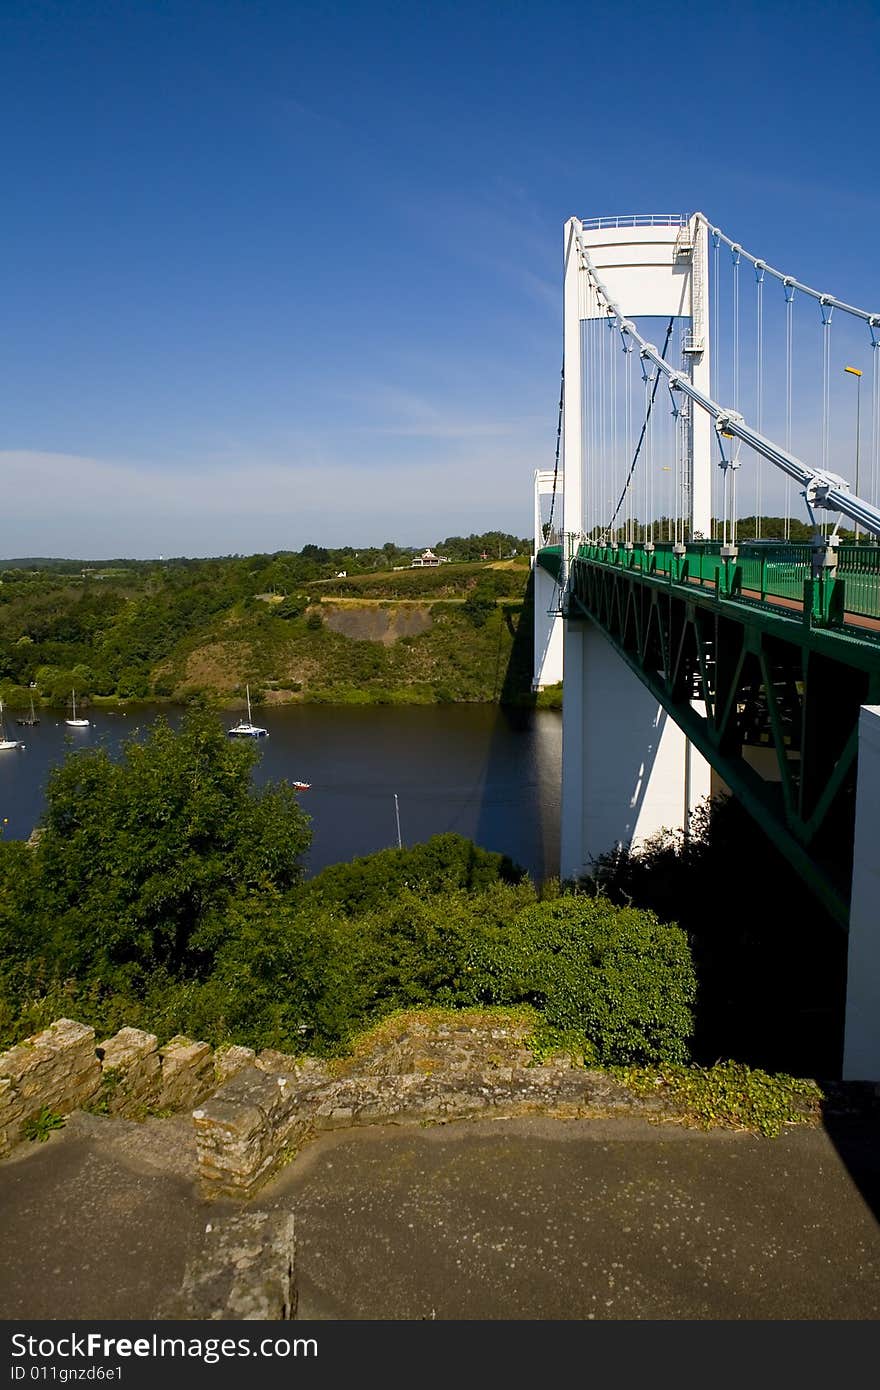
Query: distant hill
[293,625]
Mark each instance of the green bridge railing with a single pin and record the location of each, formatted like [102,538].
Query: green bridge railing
[761,572]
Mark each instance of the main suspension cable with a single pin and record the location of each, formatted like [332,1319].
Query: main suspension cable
[873,319]
[558,445]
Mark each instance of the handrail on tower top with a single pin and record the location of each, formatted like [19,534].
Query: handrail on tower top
[636,219]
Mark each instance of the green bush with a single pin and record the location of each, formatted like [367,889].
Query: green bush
[291,607]
[615,979]
[283,978]
[164,893]
[425,949]
[479,605]
[442,864]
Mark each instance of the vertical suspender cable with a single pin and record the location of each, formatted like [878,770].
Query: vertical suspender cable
[593,412]
[585,382]
[598,419]
[646,535]
[875,410]
[586,420]
[827,311]
[681,456]
[614,463]
[759,402]
[715,364]
[594,433]
[736,255]
[736,330]
[627,427]
[602,424]
[585,294]
[789,342]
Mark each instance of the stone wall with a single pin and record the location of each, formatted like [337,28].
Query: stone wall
[245,1270]
[56,1070]
[253,1112]
[61,1069]
[412,1072]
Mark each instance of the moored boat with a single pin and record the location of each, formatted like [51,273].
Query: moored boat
[7,743]
[74,721]
[245,728]
[30,720]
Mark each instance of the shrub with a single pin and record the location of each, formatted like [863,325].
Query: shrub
[614,980]
[282,979]
[422,949]
[478,606]
[291,607]
[772,966]
[442,864]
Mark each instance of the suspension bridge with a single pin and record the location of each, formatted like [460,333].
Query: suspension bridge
[702,646]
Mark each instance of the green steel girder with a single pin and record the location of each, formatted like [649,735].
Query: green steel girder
[767,678]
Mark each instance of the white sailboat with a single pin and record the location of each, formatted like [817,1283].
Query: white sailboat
[7,743]
[245,728]
[77,723]
[31,720]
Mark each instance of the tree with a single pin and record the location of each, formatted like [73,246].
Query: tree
[139,858]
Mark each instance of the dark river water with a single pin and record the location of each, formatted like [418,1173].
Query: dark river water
[490,774]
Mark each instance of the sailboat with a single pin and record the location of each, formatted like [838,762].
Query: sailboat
[246,729]
[31,720]
[77,723]
[6,743]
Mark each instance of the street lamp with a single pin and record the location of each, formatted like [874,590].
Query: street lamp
[854,371]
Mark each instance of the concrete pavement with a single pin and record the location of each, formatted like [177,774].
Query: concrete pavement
[494,1219]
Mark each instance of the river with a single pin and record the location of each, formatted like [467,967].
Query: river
[487,773]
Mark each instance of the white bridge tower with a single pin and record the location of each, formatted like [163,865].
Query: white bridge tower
[627,769]
[548,612]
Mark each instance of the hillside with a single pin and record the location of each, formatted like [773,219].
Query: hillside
[293,627]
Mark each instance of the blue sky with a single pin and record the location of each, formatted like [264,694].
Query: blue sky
[279,273]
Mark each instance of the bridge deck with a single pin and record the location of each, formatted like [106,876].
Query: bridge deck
[772,575]
[752,651]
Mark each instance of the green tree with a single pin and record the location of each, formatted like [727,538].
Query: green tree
[139,858]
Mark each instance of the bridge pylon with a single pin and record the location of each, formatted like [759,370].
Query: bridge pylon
[628,770]
[547,669]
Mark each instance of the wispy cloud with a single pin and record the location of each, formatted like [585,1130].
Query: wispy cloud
[63,504]
[388,410]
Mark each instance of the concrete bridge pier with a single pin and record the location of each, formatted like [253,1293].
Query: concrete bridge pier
[628,770]
[548,631]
